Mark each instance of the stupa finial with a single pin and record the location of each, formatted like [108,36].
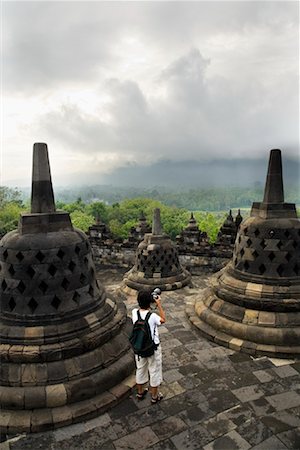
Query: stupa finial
[274,183]
[156,225]
[42,197]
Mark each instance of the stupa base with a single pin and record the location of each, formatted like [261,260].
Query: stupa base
[259,326]
[136,281]
[37,420]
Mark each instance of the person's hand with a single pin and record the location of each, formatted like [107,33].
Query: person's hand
[158,300]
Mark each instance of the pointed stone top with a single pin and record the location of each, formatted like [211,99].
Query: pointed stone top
[42,197]
[229,217]
[192,216]
[156,225]
[274,184]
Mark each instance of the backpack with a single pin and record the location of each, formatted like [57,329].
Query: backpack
[140,337]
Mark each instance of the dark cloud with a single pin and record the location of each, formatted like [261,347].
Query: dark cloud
[176,81]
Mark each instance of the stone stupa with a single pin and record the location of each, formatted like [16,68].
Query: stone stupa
[253,305]
[156,262]
[64,349]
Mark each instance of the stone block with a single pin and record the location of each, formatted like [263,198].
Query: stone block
[56,395]
[14,374]
[12,397]
[29,374]
[41,420]
[31,353]
[35,397]
[266,318]
[62,416]
[15,353]
[4,352]
[120,391]
[83,410]
[250,317]
[235,344]
[19,422]
[41,371]
[34,333]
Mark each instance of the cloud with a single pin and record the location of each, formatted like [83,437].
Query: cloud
[115,83]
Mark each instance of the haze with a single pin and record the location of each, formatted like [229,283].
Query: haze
[130,92]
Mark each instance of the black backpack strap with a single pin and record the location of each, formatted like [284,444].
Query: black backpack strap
[147,316]
[138,315]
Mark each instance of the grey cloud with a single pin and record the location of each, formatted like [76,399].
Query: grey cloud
[199,118]
[47,44]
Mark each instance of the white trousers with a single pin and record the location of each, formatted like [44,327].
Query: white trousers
[149,366]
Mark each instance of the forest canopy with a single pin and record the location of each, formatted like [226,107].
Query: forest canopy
[120,213]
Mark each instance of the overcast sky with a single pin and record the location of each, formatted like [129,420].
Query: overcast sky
[113,84]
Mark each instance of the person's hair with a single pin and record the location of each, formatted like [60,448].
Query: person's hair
[144,299]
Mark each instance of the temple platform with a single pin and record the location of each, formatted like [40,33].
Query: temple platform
[215,397]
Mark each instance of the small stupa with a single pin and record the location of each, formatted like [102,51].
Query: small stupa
[253,305]
[64,350]
[156,262]
[191,235]
[228,230]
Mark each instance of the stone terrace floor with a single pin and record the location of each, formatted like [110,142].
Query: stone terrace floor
[215,398]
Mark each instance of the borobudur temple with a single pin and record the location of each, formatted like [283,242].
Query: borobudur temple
[253,305]
[156,262]
[64,349]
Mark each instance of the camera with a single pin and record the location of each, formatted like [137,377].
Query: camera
[155,294]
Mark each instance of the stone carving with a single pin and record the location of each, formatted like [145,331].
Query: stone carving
[64,349]
[191,235]
[253,305]
[136,234]
[228,230]
[156,263]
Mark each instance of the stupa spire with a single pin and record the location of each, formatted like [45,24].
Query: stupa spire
[274,183]
[42,196]
[156,225]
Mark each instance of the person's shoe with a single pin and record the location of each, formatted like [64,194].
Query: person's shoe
[143,395]
[157,399]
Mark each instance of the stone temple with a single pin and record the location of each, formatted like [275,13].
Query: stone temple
[156,262]
[253,305]
[64,350]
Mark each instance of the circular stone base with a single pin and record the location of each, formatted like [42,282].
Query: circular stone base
[255,339]
[36,420]
[133,281]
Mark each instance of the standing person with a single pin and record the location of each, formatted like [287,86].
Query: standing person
[151,365]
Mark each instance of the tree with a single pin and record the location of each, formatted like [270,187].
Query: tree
[81,220]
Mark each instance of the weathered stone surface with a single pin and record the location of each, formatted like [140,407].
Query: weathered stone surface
[157,263]
[62,340]
[260,287]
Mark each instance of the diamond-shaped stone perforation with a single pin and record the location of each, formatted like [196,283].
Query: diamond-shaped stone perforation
[56,302]
[30,272]
[12,304]
[60,253]
[11,270]
[65,283]
[52,270]
[273,251]
[160,260]
[33,304]
[76,297]
[40,256]
[71,266]
[21,287]
[20,256]
[43,287]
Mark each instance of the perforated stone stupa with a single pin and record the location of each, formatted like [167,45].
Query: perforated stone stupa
[156,262]
[253,305]
[64,348]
